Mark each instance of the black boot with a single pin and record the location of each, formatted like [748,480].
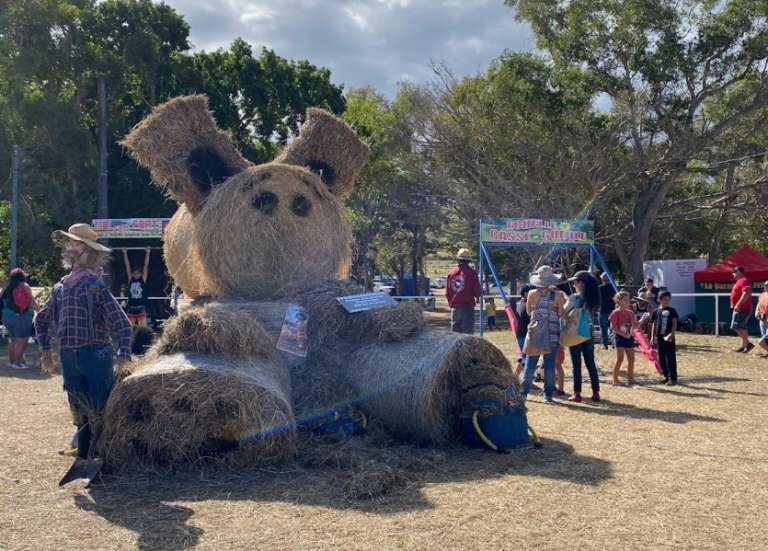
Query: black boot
[83,440]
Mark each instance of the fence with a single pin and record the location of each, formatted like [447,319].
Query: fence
[715,296]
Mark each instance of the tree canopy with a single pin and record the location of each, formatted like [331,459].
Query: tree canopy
[51,52]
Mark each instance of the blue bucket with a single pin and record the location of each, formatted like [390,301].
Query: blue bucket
[506,431]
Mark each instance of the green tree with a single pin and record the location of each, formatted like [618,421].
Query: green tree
[661,62]
[51,52]
[394,210]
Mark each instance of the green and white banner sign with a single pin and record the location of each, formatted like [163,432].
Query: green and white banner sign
[537,231]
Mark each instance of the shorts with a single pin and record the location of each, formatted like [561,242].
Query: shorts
[740,319]
[623,342]
[19,326]
[137,315]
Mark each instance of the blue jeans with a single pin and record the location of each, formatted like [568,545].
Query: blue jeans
[88,376]
[521,342]
[602,318]
[549,372]
[587,350]
[88,381]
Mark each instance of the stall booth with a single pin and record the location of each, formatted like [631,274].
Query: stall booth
[718,278]
[134,235]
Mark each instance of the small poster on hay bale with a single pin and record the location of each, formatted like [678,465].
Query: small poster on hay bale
[294,337]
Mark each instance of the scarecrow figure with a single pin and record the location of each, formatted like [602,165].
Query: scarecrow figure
[83,312]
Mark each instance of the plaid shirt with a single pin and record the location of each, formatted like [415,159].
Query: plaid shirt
[66,313]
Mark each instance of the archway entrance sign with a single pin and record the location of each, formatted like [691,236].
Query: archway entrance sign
[533,232]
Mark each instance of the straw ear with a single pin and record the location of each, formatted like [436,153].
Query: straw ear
[184,150]
[330,147]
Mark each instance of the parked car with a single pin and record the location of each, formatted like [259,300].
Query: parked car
[437,282]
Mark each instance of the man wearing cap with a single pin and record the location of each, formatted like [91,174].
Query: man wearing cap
[83,312]
[741,304]
[462,289]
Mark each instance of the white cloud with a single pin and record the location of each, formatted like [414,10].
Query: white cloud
[376,42]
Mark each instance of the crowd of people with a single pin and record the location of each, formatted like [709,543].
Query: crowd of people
[624,321]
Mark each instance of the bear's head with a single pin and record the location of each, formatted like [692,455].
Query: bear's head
[250,231]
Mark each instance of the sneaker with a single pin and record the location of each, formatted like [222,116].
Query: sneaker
[740,349]
[575,398]
[671,383]
[559,393]
[595,397]
[749,347]
[664,381]
[18,366]
[548,399]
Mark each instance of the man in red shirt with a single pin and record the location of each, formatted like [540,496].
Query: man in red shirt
[462,289]
[741,304]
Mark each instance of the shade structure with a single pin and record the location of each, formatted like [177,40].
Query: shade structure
[754,263]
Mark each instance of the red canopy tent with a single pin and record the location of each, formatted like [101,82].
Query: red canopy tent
[755,264]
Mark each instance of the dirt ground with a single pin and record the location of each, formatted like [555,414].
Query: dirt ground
[651,467]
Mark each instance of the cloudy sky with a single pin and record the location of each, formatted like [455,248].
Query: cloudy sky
[376,42]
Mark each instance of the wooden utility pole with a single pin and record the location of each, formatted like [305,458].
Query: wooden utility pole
[103,205]
[14,203]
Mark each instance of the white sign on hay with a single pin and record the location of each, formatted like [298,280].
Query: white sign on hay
[365,301]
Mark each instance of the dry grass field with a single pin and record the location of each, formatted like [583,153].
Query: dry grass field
[651,467]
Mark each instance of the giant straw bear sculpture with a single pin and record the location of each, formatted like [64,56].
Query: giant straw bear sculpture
[246,242]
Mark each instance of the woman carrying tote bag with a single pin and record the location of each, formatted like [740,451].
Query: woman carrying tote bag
[545,305]
[586,298]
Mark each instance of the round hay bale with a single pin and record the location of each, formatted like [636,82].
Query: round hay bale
[417,387]
[329,322]
[190,408]
[218,328]
[271,228]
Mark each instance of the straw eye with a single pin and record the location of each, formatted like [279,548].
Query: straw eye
[266,202]
[301,205]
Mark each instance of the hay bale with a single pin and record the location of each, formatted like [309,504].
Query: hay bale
[219,328]
[182,258]
[329,146]
[329,322]
[269,229]
[417,387]
[190,408]
[318,384]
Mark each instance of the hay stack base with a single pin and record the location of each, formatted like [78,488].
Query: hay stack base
[189,408]
[417,387]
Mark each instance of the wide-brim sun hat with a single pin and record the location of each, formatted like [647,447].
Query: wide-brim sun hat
[83,233]
[544,277]
[464,254]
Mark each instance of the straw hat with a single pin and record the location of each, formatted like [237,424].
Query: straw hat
[544,277]
[463,254]
[80,232]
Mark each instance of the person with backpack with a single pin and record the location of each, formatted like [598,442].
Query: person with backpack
[19,307]
[545,305]
[586,295]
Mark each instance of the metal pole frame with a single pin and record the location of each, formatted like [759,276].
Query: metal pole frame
[481,268]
